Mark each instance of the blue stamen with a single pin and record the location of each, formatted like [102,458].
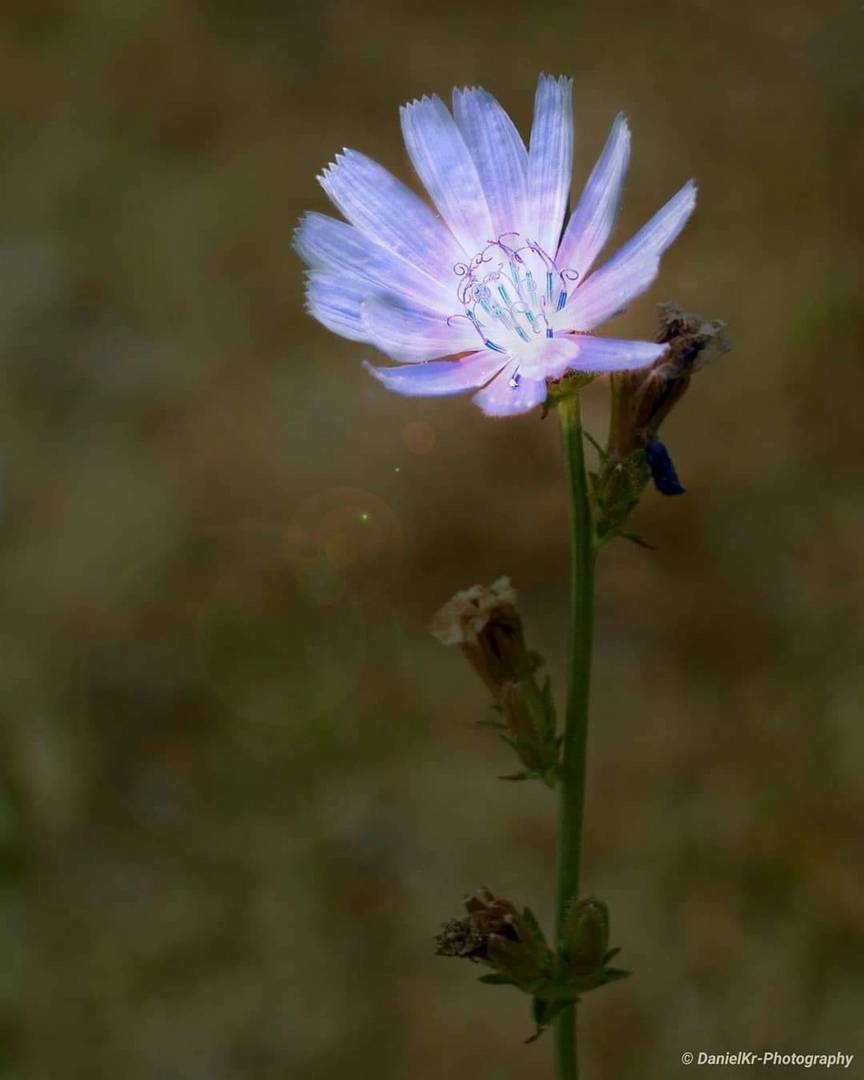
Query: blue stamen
[532,288]
[550,332]
[562,299]
[491,345]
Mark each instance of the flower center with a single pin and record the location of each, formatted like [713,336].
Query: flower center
[511,292]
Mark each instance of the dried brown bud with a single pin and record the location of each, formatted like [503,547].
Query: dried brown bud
[694,342]
[484,623]
[494,933]
[642,399]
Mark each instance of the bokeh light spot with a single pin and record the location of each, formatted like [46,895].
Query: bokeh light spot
[272,634]
[343,545]
[419,437]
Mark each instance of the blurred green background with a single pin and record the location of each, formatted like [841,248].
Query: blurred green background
[242,785]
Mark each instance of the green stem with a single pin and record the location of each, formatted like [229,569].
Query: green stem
[582,556]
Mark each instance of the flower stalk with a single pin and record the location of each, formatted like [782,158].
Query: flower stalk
[572,767]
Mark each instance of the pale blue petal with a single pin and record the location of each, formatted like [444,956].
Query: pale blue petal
[499,154]
[632,268]
[510,394]
[406,332]
[390,213]
[337,301]
[444,164]
[327,244]
[594,217]
[442,377]
[550,159]
[557,356]
[596,354]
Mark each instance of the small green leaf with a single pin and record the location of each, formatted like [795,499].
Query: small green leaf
[499,724]
[533,924]
[539,1009]
[635,538]
[496,979]
[601,451]
[544,1013]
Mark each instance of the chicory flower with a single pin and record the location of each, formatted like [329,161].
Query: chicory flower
[497,291]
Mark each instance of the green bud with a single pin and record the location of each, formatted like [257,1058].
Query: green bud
[585,936]
[530,718]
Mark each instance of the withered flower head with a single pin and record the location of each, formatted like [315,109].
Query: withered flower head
[484,623]
[643,399]
[494,933]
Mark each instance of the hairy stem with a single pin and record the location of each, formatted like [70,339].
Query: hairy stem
[582,556]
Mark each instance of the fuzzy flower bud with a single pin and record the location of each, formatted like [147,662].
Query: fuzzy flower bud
[485,623]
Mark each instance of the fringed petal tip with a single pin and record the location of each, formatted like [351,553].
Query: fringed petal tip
[424,99]
[338,159]
[564,82]
[461,91]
